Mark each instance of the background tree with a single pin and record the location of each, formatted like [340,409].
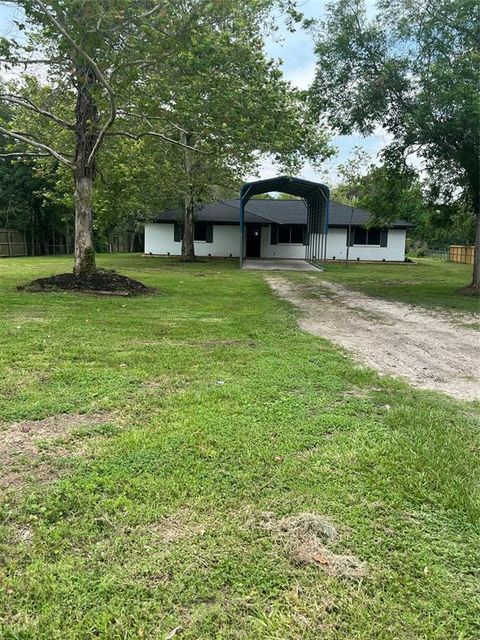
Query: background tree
[351,175]
[394,191]
[138,69]
[349,191]
[412,69]
[227,99]
[95,52]
[136,181]
[24,202]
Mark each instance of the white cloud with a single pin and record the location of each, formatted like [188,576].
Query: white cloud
[328,173]
[301,77]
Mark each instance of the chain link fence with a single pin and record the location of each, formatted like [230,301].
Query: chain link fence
[14,243]
[438,254]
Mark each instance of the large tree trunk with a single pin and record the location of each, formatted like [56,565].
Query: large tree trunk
[86,132]
[188,249]
[84,251]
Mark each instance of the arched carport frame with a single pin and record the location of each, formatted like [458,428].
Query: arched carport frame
[317,200]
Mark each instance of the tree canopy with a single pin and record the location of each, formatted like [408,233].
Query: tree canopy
[412,69]
[188,85]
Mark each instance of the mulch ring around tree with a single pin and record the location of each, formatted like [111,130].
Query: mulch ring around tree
[100,282]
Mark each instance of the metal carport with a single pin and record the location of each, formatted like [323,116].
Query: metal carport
[316,197]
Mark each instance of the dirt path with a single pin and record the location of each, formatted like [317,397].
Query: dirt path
[425,347]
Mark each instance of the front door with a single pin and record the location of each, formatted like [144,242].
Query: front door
[253,241]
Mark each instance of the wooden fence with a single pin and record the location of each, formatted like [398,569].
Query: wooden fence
[12,243]
[460,253]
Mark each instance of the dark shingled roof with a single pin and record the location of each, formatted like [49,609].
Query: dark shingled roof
[277,211]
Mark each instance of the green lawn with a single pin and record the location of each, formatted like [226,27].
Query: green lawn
[426,282]
[221,410]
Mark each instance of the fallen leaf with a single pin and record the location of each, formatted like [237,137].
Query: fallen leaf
[321,559]
[172,633]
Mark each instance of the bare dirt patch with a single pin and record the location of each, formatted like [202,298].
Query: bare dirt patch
[427,348]
[307,538]
[23,444]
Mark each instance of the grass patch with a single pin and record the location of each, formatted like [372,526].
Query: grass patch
[429,283]
[227,411]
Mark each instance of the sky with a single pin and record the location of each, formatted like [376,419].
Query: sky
[297,52]
[7,12]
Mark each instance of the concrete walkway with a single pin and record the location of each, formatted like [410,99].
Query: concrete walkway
[278,265]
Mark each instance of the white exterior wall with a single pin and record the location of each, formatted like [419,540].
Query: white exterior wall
[159,240]
[394,251]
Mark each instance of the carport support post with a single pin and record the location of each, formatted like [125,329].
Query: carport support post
[242,225]
[325,230]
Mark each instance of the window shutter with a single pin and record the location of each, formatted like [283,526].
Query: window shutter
[383,237]
[209,234]
[274,234]
[177,232]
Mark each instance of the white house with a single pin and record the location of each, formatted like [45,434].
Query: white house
[276,229]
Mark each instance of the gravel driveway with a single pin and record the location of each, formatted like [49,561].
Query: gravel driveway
[427,348]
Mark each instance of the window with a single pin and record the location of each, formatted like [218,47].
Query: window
[284,234]
[291,234]
[203,232]
[360,236]
[200,232]
[296,234]
[373,236]
[367,236]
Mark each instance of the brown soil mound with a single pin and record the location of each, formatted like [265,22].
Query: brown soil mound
[99,281]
